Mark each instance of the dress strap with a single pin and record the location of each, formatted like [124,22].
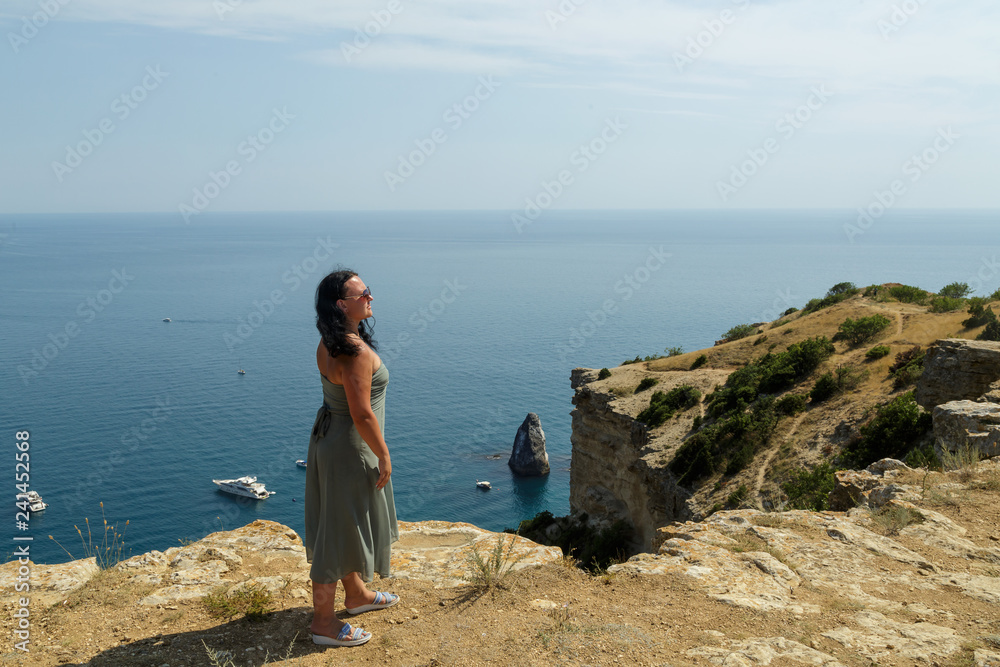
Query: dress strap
[323,423]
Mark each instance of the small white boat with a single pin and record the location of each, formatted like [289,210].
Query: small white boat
[484,485]
[241,372]
[35,502]
[166,319]
[248,487]
[301,463]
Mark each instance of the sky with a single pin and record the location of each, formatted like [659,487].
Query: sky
[190,106]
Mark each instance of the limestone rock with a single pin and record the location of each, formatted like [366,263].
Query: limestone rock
[528,456]
[49,583]
[880,639]
[956,369]
[767,651]
[957,423]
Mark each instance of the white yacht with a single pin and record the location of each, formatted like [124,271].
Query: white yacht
[484,485]
[244,486]
[35,502]
[301,463]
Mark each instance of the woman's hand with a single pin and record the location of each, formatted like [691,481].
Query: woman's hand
[384,470]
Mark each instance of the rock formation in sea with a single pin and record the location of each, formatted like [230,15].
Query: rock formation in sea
[528,456]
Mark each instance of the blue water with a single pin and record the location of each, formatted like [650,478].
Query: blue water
[141,415]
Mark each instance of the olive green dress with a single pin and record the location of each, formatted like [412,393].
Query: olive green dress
[350,524]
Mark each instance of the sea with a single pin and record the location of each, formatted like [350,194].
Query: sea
[479,319]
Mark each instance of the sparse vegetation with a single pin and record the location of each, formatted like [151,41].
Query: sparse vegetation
[108,551]
[908,294]
[877,352]
[490,572]
[646,383]
[791,404]
[662,406]
[893,431]
[907,367]
[961,461]
[979,313]
[834,295]
[810,489]
[863,329]
[738,497]
[639,360]
[253,601]
[892,518]
[739,331]
[594,550]
[675,351]
[946,304]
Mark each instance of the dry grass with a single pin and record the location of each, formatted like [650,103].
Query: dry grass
[890,519]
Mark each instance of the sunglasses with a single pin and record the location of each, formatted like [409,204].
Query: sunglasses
[367,294]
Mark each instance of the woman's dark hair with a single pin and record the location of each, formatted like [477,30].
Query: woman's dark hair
[331,321]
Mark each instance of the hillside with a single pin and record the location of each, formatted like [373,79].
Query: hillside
[798,442]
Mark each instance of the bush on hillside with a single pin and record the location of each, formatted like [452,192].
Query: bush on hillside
[593,549]
[700,361]
[991,332]
[946,304]
[955,290]
[662,406]
[877,352]
[825,387]
[908,294]
[893,431]
[603,373]
[646,383]
[789,311]
[862,329]
[979,312]
[907,366]
[834,295]
[810,489]
[791,404]
[675,351]
[739,331]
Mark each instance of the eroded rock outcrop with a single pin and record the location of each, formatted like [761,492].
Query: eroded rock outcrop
[961,423]
[528,456]
[434,551]
[956,369]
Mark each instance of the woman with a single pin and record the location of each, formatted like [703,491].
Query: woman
[350,515]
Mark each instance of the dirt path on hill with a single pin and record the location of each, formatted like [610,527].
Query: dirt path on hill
[772,453]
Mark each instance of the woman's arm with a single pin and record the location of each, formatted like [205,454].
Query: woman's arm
[357,375]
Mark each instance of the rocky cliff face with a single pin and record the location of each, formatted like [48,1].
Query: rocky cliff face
[618,471]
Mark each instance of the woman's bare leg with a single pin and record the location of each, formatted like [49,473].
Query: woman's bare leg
[355,591]
[325,621]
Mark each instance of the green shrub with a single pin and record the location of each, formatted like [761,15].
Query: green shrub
[872,290]
[979,312]
[639,360]
[760,340]
[663,405]
[700,361]
[791,404]
[728,444]
[810,489]
[253,601]
[908,294]
[675,351]
[739,331]
[991,332]
[877,352]
[849,377]
[907,367]
[737,497]
[893,431]
[862,329]
[955,290]
[604,373]
[491,571]
[696,423]
[946,304]
[825,387]
[646,383]
[996,295]
[923,457]
[789,311]
[834,295]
